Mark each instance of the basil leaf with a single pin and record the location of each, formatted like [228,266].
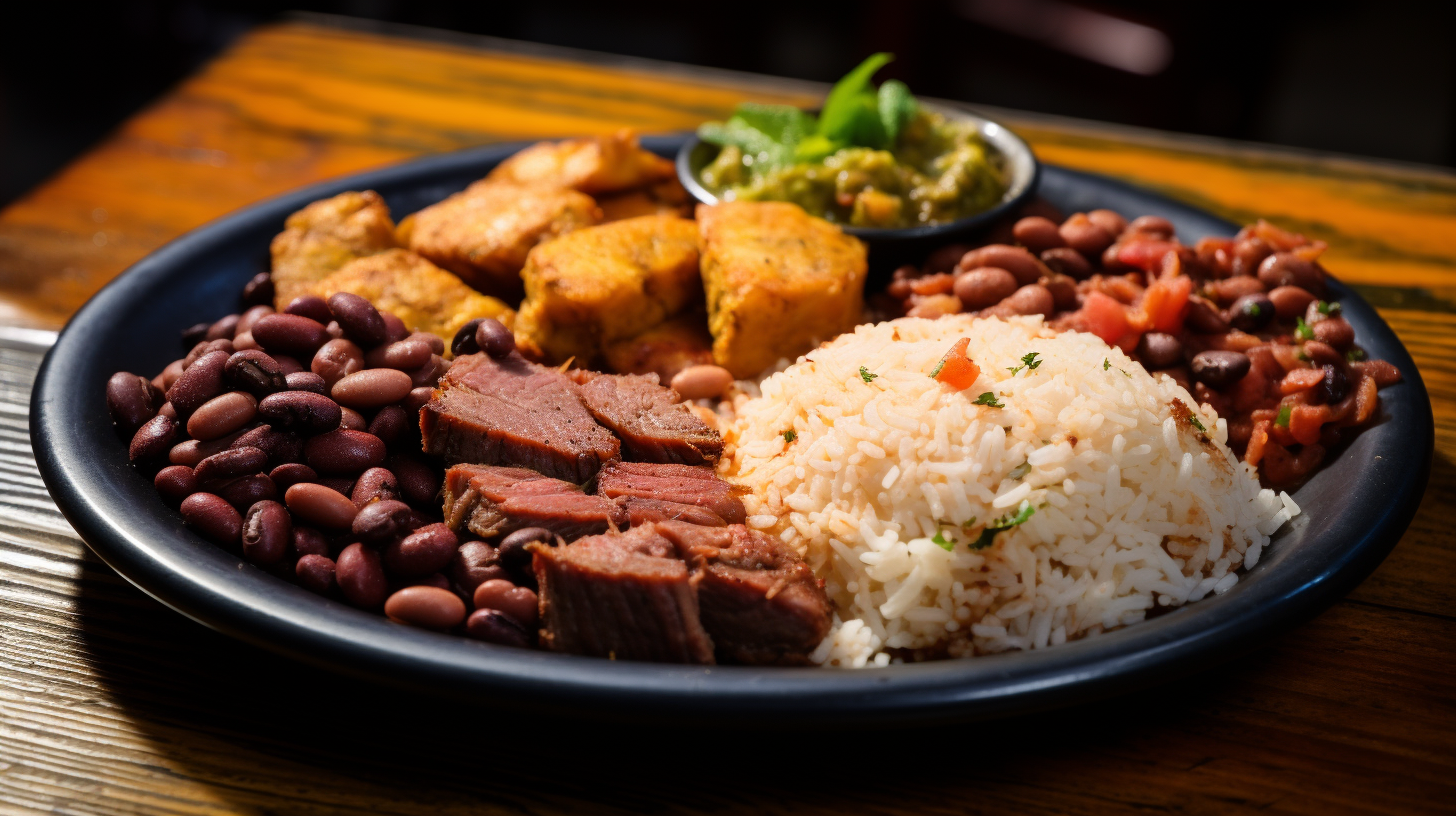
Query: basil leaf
[784,124]
[815,147]
[754,142]
[897,108]
[849,100]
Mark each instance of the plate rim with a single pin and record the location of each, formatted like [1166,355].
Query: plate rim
[200,581]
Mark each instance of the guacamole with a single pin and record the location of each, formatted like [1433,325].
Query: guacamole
[939,170]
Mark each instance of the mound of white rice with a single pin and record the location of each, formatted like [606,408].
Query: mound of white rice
[884,479]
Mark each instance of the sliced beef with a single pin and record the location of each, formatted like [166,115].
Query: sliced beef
[514,412]
[671,483]
[760,602]
[651,421]
[646,511]
[625,596]
[491,501]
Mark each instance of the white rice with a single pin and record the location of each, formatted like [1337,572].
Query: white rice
[1141,510]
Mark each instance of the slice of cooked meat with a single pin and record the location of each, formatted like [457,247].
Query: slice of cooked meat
[645,511]
[426,297]
[651,421]
[325,235]
[594,165]
[760,602]
[491,501]
[484,232]
[464,485]
[672,483]
[514,412]
[625,596]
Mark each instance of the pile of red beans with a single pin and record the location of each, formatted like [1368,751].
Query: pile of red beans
[292,439]
[1240,322]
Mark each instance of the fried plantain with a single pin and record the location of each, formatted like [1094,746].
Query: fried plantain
[324,236]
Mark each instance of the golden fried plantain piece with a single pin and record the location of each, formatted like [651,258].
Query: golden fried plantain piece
[322,237]
[667,198]
[778,282]
[424,296]
[664,349]
[595,165]
[484,233]
[607,283]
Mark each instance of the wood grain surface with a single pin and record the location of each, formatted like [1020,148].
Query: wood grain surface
[111,703]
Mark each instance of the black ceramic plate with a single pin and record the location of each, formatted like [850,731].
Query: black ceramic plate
[1354,511]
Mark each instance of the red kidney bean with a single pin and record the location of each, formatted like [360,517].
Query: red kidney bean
[1290,301]
[361,576]
[194,334]
[302,411]
[1063,289]
[315,573]
[360,321]
[213,517]
[175,483]
[222,415]
[344,452]
[223,329]
[254,372]
[281,447]
[267,532]
[391,425]
[308,541]
[520,603]
[245,342]
[1334,331]
[246,491]
[1027,268]
[206,347]
[320,505]
[338,484]
[437,345]
[153,439]
[1158,350]
[1113,222]
[1037,234]
[406,355]
[383,521]
[307,381]
[171,374]
[371,388]
[984,286]
[1067,261]
[426,607]
[432,580]
[291,473]
[1288,269]
[1204,317]
[1219,369]
[473,564]
[496,627]
[429,549]
[1251,312]
[1323,354]
[1152,225]
[394,329]
[351,420]
[312,307]
[1086,237]
[429,374]
[419,483]
[251,316]
[198,384]
[1228,290]
[289,365]
[374,484]
[494,338]
[1028,300]
[290,334]
[230,464]
[1248,253]
[512,551]
[167,410]
[464,342]
[940,283]
[419,398]
[191,451]
[259,289]
[931,307]
[943,259]
[132,401]
[336,360]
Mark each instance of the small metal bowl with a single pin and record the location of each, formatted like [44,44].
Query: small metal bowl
[905,243]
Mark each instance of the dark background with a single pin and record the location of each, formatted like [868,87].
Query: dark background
[1366,78]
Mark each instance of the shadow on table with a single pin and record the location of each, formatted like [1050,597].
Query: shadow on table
[263,732]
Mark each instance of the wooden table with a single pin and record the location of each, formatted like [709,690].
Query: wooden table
[111,703]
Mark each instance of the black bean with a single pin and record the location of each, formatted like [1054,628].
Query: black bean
[1158,350]
[175,483]
[230,464]
[473,564]
[344,452]
[375,484]
[1219,369]
[213,517]
[428,549]
[1251,312]
[199,383]
[267,532]
[494,338]
[383,521]
[259,290]
[494,626]
[464,342]
[255,372]
[1335,386]
[154,439]
[303,411]
[512,550]
[312,307]
[132,400]
[360,321]
[307,381]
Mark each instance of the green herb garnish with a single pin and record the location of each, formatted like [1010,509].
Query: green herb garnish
[1105,365]
[1325,307]
[1285,411]
[989,398]
[1006,522]
[1019,471]
[790,436]
[1355,355]
[1028,362]
[1302,329]
[1197,424]
[935,372]
[941,541]
[867,375]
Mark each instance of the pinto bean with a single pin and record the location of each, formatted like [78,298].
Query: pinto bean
[1157,350]
[321,505]
[254,372]
[175,483]
[429,549]
[291,473]
[360,577]
[199,383]
[1038,234]
[303,411]
[427,607]
[984,286]
[1081,234]
[702,382]
[494,626]
[372,388]
[213,517]
[1289,269]
[1219,369]
[360,321]
[132,401]
[222,415]
[312,307]
[1109,220]
[1228,290]
[1322,354]
[315,573]
[1290,301]
[1334,331]
[267,533]
[1063,289]
[520,603]
[494,338]
[406,355]
[1067,261]
[1028,300]
[153,439]
[290,334]
[1027,268]
[343,452]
